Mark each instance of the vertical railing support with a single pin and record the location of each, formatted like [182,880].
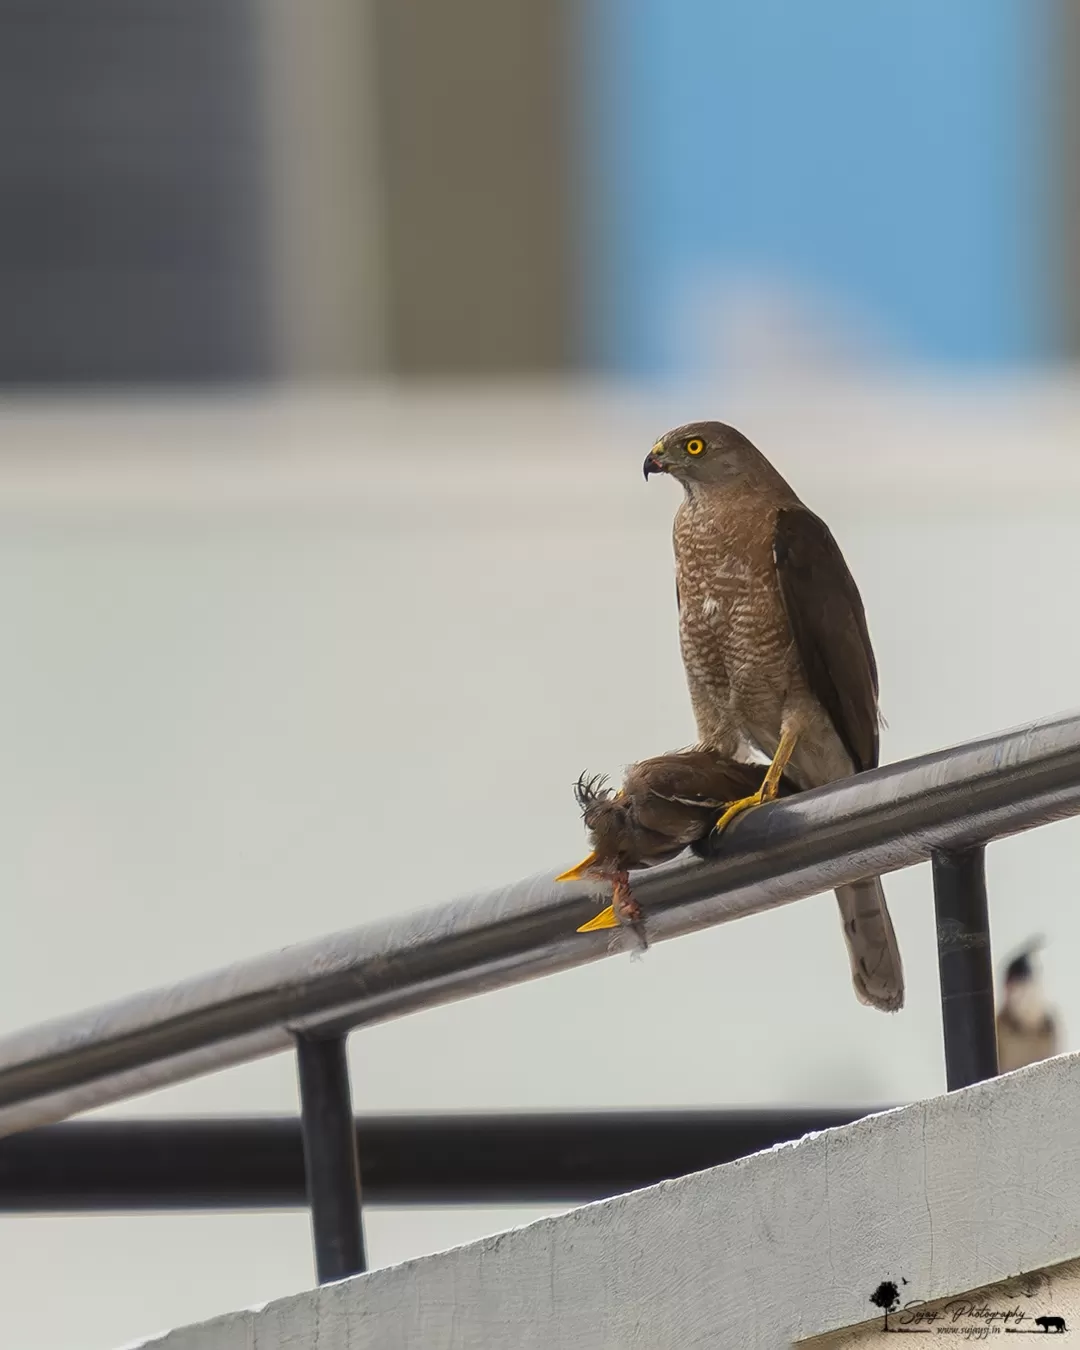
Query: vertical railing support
[330,1163]
[964,966]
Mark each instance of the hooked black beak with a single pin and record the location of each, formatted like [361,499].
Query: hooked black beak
[652,462]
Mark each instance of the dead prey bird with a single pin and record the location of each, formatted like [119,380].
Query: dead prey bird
[665,804]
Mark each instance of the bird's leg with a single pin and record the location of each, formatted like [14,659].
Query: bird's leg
[769,787]
[624,910]
[627,909]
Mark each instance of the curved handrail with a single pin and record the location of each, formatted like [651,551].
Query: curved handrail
[876,822]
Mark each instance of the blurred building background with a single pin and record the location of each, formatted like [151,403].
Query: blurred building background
[251,188]
[332,337]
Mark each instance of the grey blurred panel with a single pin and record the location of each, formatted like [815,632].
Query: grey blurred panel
[327,196]
[132,192]
[474,132]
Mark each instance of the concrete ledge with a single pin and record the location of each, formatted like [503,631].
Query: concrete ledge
[950,1194]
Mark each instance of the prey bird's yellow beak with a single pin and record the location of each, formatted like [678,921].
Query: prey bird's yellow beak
[576,873]
[606,919]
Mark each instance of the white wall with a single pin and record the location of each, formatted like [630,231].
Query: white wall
[941,1197]
[276,667]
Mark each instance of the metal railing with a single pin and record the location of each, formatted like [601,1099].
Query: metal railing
[945,806]
[128,1166]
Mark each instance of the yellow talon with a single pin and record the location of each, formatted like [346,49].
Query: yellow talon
[576,873]
[606,919]
[735,808]
[769,788]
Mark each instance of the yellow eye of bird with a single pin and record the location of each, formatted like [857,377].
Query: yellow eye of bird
[695,446]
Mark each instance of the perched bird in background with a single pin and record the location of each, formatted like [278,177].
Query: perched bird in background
[776,650]
[1027,1029]
[664,804]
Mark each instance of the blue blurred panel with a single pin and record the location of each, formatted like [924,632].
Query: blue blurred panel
[893,155]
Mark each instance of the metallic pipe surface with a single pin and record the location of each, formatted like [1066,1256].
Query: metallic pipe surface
[330,1164]
[873,823]
[965,968]
[257,1162]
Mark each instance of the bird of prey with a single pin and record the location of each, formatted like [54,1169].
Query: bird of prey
[1027,1029]
[664,804]
[776,649]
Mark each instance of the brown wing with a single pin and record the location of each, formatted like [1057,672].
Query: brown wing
[827,620]
[693,778]
[680,795]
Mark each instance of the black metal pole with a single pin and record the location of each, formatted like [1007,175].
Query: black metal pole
[116,1166]
[330,1163]
[965,967]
